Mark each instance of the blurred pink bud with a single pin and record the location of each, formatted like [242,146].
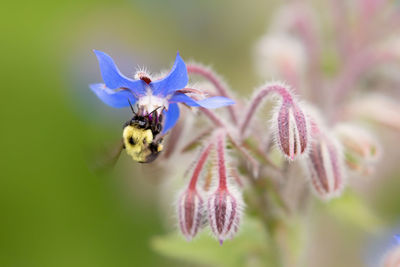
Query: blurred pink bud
[190,204]
[190,209]
[291,130]
[360,147]
[325,164]
[224,205]
[392,258]
[280,55]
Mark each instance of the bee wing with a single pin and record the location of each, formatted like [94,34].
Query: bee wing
[109,158]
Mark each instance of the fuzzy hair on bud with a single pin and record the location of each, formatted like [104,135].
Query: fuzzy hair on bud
[190,211]
[190,202]
[290,126]
[225,205]
[224,213]
[325,166]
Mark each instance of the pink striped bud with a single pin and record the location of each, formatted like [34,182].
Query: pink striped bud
[291,130]
[224,206]
[190,210]
[190,203]
[224,212]
[325,164]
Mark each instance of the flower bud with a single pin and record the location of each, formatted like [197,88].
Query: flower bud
[224,205]
[280,55]
[325,165]
[224,212]
[360,147]
[291,130]
[190,209]
[190,203]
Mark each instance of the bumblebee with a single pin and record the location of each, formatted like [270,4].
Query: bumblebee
[140,136]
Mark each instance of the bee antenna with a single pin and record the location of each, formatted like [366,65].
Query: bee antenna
[130,104]
[155,110]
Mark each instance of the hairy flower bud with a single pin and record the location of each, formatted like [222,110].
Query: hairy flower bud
[325,165]
[224,205]
[291,130]
[190,209]
[224,212]
[190,203]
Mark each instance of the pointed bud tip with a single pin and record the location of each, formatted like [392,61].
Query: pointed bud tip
[325,166]
[224,213]
[189,213]
[292,130]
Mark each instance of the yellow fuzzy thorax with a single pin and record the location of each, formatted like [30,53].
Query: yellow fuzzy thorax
[142,138]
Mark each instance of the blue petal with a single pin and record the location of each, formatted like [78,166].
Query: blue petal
[172,115]
[115,99]
[209,103]
[175,80]
[113,78]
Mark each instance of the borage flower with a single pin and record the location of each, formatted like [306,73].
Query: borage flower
[160,95]
[153,101]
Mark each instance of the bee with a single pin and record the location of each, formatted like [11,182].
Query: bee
[140,135]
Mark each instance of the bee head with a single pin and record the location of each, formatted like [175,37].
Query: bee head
[139,144]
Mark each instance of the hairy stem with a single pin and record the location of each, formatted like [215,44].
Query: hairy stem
[221,161]
[214,119]
[216,81]
[199,166]
[257,99]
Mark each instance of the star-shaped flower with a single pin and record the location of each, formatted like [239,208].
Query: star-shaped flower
[162,95]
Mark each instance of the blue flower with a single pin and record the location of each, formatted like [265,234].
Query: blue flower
[397,237]
[162,95]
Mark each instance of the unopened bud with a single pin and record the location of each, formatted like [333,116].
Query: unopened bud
[360,147]
[225,205]
[224,212]
[190,203]
[280,55]
[291,130]
[325,165]
[190,210]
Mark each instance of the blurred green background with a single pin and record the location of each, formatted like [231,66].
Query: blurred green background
[55,211]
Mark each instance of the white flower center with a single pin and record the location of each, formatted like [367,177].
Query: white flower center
[149,103]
